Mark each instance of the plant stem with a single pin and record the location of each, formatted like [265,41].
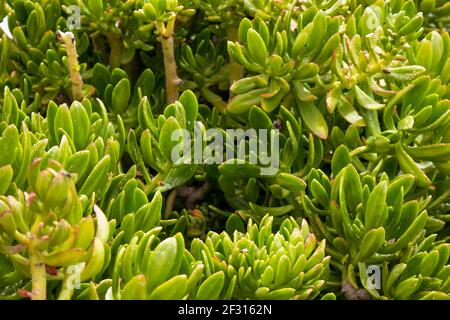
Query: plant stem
[67,288]
[170,202]
[236,70]
[170,66]
[219,211]
[70,283]
[215,99]
[74,68]
[38,276]
[116,50]
[154,183]
[358,151]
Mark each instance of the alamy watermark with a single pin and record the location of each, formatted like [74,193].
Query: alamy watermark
[216,146]
[74,18]
[73,275]
[373,277]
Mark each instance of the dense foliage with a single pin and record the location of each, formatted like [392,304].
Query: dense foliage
[94,206]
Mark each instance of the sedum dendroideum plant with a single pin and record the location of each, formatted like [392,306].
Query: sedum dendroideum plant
[203,149]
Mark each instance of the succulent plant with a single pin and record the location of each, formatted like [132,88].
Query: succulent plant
[50,230]
[262,265]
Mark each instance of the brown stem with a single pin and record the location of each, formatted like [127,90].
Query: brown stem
[116,50]
[74,68]
[170,66]
[133,68]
